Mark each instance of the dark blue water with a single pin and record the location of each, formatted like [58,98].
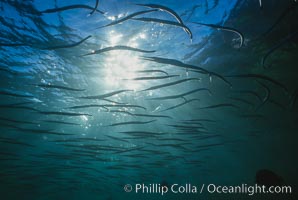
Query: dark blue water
[87,108]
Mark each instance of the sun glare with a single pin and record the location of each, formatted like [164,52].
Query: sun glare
[115,38]
[122,66]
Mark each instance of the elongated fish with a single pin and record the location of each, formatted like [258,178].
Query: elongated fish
[192,11]
[132,122]
[178,63]
[87,106]
[255,94]
[111,101]
[259,76]
[127,18]
[170,84]
[119,47]
[279,44]
[124,106]
[192,123]
[180,104]
[59,87]
[288,10]
[223,28]
[71,7]
[37,131]
[117,138]
[13,44]
[221,105]
[19,107]
[8,93]
[121,111]
[63,113]
[152,71]
[172,139]
[106,106]
[16,104]
[167,22]
[95,7]
[242,100]
[67,45]
[200,120]
[177,146]
[181,95]
[140,133]
[102,96]
[267,96]
[209,145]
[16,121]
[165,9]
[184,126]
[7,70]
[60,122]
[215,4]
[10,141]
[80,140]
[278,104]
[130,149]
[152,78]
[153,116]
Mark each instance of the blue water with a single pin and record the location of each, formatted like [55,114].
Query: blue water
[127,132]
